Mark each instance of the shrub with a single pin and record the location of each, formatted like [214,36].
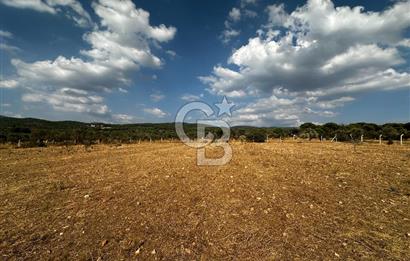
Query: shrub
[256,137]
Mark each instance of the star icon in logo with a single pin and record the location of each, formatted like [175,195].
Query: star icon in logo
[224,107]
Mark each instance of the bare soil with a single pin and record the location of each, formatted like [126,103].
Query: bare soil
[150,201]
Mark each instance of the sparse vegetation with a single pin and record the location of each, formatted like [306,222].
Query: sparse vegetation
[282,201]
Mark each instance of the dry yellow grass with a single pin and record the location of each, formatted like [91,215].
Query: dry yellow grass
[281,201]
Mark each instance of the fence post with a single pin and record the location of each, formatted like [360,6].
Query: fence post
[380,139]
[401,139]
[361,138]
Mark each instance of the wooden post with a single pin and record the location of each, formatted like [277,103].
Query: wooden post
[380,139]
[150,140]
[321,138]
[294,136]
[361,138]
[401,139]
[19,144]
[334,138]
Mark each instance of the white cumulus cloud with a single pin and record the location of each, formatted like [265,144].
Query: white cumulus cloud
[319,50]
[157,96]
[157,112]
[73,8]
[6,34]
[8,84]
[190,97]
[5,46]
[120,45]
[235,14]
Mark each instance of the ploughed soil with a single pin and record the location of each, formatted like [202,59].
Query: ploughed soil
[150,201]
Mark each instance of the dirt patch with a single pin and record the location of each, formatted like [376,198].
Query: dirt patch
[279,201]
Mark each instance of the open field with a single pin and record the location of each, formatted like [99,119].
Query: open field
[281,201]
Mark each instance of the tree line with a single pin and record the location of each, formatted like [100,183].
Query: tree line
[35,132]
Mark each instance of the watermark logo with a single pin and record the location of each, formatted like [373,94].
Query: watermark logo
[202,140]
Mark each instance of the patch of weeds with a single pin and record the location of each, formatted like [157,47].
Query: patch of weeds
[394,190]
[60,185]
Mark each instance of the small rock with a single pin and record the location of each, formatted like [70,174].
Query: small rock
[408,234]
[258,198]
[104,242]
[284,234]
[138,251]
[153,252]
[337,255]
[344,244]
[86,196]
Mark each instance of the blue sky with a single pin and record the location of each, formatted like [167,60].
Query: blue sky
[281,62]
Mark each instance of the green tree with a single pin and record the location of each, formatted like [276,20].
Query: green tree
[390,133]
[356,133]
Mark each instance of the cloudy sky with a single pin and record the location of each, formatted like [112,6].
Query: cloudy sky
[281,62]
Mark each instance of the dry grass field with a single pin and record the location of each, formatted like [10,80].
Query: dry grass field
[273,201]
